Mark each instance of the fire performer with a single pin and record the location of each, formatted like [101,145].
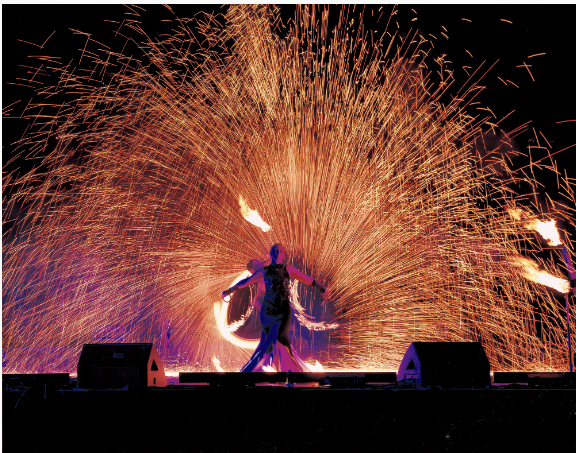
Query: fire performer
[274,348]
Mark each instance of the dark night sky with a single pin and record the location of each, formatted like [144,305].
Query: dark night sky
[534,29]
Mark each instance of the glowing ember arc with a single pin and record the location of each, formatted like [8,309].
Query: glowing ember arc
[221,316]
[300,314]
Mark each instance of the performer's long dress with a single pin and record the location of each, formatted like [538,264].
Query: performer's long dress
[274,349]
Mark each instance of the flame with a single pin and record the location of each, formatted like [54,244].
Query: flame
[252,216]
[216,363]
[547,229]
[220,314]
[515,213]
[317,367]
[268,368]
[531,272]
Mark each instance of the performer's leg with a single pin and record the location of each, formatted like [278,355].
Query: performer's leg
[289,360]
[264,350]
[284,332]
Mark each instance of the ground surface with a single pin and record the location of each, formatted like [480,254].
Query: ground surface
[280,419]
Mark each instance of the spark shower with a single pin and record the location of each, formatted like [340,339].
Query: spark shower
[353,148]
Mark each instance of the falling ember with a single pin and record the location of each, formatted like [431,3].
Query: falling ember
[216,363]
[530,270]
[252,216]
[546,229]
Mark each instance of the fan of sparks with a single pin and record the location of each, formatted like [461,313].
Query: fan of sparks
[343,147]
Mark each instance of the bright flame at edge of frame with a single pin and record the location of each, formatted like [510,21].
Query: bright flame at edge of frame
[220,312]
[252,216]
[531,272]
[546,229]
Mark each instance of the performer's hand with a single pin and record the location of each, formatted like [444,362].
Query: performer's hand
[323,290]
[321,287]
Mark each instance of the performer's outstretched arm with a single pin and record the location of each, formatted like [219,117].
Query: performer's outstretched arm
[255,277]
[306,279]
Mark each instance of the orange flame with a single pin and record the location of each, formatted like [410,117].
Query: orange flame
[317,367]
[216,363]
[531,272]
[547,229]
[252,216]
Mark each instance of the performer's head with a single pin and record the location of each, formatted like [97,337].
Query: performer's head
[254,265]
[277,254]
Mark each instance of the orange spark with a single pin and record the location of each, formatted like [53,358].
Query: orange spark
[528,69]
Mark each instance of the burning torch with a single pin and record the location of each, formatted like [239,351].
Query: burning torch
[550,234]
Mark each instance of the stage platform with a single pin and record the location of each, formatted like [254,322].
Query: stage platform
[224,415]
